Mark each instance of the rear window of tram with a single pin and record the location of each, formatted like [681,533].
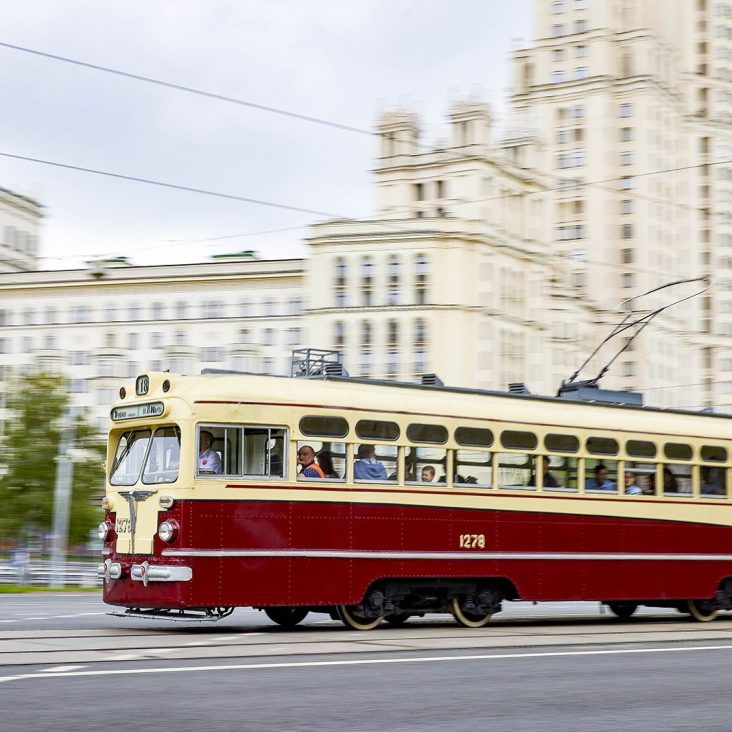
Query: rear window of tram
[369,429]
[314,426]
[515,440]
[677,451]
[640,448]
[561,443]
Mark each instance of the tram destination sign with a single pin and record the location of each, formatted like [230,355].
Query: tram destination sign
[153,409]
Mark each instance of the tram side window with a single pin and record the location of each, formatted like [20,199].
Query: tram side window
[163,458]
[515,471]
[127,464]
[241,451]
[601,475]
[564,471]
[677,480]
[639,476]
[713,481]
[425,465]
[375,462]
[330,457]
[475,467]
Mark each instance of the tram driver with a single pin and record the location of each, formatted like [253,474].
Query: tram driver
[208,459]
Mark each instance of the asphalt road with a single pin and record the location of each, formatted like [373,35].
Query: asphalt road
[66,665]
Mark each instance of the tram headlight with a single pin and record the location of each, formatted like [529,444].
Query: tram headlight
[168,530]
[103,531]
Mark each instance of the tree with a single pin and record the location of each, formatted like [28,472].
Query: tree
[37,402]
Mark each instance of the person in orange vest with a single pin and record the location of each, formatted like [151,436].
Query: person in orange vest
[306,460]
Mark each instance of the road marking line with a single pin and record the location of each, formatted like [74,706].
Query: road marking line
[62,669]
[354,662]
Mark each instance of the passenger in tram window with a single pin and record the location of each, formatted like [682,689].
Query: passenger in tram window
[631,486]
[650,488]
[325,461]
[600,482]
[208,459]
[670,484]
[428,474]
[549,480]
[367,467]
[306,460]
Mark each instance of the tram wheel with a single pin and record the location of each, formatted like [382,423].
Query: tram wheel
[353,616]
[623,610]
[701,610]
[287,617]
[466,617]
[397,619]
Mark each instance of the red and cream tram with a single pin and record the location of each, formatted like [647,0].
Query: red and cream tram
[441,500]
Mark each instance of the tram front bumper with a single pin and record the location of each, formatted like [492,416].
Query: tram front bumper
[146,573]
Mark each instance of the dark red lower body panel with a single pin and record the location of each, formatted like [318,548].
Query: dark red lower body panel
[388,530]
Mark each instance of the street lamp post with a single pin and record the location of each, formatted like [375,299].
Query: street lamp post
[62,502]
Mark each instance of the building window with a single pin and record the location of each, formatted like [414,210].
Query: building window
[440,189]
[558,54]
[293,336]
[626,231]
[340,282]
[626,256]
[209,354]
[558,6]
[581,52]
[393,281]
[421,278]
[132,341]
[626,157]
[581,72]
[558,76]
[339,335]
[580,4]
[157,311]
[627,183]
[212,309]
[580,26]
[626,279]
[156,340]
[367,281]
[294,306]
[110,340]
[244,336]
[268,337]
[558,30]
[366,348]
[626,206]
[626,134]
[419,191]
[270,308]
[626,110]
[179,337]
[181,309]
[133,313]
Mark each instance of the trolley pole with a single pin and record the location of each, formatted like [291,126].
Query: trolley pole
[62,502]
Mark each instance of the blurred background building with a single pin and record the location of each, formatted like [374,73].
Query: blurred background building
[487,261]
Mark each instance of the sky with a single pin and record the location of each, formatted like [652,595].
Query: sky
[341,61]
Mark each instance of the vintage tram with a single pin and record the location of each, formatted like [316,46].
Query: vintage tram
[472,498]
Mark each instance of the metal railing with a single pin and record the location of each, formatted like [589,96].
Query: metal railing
[42,573]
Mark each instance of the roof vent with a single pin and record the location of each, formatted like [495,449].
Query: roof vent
[518,387]
[588,391]
[431,380]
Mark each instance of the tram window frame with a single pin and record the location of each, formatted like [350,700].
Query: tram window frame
[713,468]
[420,432]
[675,452]
[553,443]
[531,443]
[678,466]
[594,442]
[241,456]
[390,435]
[169,473]
[340,457]
[528,465]
[321,433]
[707,452]
[645,476]
[463,436]
[639,449]
[419,457]
[590,466]
[385,453]
[569,466]
[469,458]
[146,434]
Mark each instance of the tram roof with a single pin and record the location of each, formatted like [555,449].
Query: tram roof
[405,398]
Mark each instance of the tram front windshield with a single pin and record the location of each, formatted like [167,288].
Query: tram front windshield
[157,458]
